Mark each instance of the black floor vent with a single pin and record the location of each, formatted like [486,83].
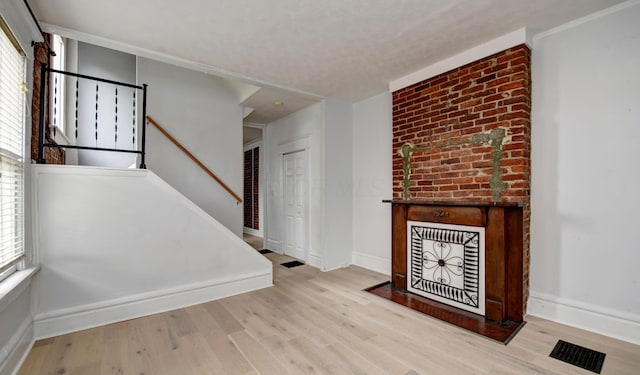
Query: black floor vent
[578,356]
[293,263]
[265,251]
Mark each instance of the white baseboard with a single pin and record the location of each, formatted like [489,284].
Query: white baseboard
[70,320]
[252,231]
[315,260]
[329,269]
[273,245]
[371,262]
[17,348]
[617,324]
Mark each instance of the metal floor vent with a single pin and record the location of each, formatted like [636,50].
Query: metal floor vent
[265,251]
[578,356]
[293,263]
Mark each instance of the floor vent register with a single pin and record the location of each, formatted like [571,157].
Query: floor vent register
[293,263]
[577,355]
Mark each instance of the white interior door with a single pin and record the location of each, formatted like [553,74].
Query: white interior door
[295,200]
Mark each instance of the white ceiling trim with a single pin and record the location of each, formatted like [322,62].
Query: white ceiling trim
[246,111]
[489,48]
[169,59]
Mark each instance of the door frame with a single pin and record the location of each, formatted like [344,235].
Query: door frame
[285,149]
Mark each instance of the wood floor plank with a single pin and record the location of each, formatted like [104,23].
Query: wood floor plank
[115,352]
[224,318]
[256,354]
[239,306]
[33,364]
[315,333]
[55,361]
[261,329]
[327,363]
[179,322]
[354,362]
[219,343]
[197,355]
[286,354]
[154,348]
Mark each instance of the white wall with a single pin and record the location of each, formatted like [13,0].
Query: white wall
[16,330]
[114,65]
[585,175]
[166,252]
[326,131]
[204,115]
[305,126]
[372,182]
[16,318]
[338,143]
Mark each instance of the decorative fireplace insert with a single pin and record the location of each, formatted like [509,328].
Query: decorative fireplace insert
[446,263]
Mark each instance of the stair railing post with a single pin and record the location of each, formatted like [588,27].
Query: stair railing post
[43,98]
[144,125]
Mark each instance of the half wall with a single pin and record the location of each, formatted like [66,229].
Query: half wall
[117,244]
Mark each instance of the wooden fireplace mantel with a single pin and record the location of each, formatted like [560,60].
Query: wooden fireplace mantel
[503,224]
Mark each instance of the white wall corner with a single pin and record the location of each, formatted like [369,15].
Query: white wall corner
[16,351]
[608,322]
[489,48]
[315,260]
[372,262]
[337,267]
[16,321]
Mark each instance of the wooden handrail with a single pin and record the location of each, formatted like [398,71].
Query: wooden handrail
[193,158]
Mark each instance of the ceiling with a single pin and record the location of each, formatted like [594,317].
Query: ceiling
[303,49]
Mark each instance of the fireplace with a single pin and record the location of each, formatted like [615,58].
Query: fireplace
[445,263]
[496,292]
[461,167]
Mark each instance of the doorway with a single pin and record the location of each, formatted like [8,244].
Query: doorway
[253,202]
[295,204]
[251,196]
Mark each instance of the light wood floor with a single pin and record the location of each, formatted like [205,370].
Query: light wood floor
[253,241]
[312,323]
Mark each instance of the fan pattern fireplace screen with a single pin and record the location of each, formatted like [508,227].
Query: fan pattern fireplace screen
[446,263]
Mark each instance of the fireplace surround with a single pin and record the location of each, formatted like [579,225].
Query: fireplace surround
[503,263]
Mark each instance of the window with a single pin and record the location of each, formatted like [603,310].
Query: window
[57,83]
[12,123]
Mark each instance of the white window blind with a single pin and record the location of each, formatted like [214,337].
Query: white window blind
[12,97]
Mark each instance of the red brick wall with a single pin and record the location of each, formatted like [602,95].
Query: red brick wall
[52,155]
[491,93]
